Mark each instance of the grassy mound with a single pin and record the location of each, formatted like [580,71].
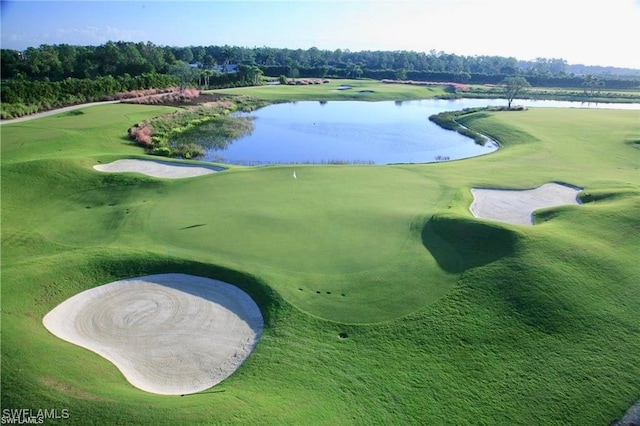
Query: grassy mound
[384,300]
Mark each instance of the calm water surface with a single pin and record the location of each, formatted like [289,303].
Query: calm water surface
[359,132]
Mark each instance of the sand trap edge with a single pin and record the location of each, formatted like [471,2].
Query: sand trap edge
[156,168]
[62,322]
[516,206]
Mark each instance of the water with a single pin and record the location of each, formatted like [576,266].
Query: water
[362,132]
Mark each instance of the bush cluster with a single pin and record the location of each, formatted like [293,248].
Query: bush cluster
[20,97]
[158,97]
[189,132]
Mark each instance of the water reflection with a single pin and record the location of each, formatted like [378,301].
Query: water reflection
[347,132]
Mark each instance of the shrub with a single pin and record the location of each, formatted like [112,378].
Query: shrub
[162,151]
[142,134]
[188,151]
[143,137]
[157,96]
[187,133]
[190,93]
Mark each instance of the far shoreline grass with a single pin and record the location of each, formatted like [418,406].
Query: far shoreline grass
[376,90]
[361,90]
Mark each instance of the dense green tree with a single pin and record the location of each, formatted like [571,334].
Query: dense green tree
[12,64]
[43,62]
[184,73]
[109,58]
[184,54]
[265,56]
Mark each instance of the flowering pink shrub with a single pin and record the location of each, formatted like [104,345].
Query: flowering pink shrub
[154,96]
[138,93]
[221,104]
[144,136]
[457,87]
[149,99]
[141,134]
[190,93]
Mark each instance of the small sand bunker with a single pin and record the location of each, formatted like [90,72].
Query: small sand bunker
[517,207]
[160,169]
[168,334]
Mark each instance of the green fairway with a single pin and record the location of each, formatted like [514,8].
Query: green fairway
[385,301]
[360,90]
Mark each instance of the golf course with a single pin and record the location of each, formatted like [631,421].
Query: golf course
[383,298]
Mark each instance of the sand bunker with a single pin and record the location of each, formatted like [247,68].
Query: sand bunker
[513,206]
[168,334]
[160,169]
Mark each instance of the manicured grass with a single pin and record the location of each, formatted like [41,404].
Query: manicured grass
[445,319]
[361,90]
[97,131]
[576,94]
[375,90]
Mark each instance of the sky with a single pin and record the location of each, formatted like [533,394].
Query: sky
[590,32]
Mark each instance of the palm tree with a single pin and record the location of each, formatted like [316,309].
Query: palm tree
[253,74]
[592,82]
[353,70]
[206,74]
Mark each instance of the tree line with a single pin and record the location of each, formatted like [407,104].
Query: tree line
[49,76]
[22,96]
[57,62]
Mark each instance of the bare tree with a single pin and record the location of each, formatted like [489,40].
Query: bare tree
[513,87]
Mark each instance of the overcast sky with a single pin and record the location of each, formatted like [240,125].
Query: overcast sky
[592,32]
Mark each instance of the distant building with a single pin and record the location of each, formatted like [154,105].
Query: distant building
[228,68]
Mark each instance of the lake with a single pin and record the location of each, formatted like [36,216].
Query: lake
[361,132]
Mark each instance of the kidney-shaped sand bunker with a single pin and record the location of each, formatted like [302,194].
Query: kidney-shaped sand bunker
[168,334]
[159,169]
[517,206]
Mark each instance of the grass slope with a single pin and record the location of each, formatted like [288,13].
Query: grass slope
[445,319]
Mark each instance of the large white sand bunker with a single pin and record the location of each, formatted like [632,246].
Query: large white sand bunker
[160,169]
[517,207]
[169,334]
